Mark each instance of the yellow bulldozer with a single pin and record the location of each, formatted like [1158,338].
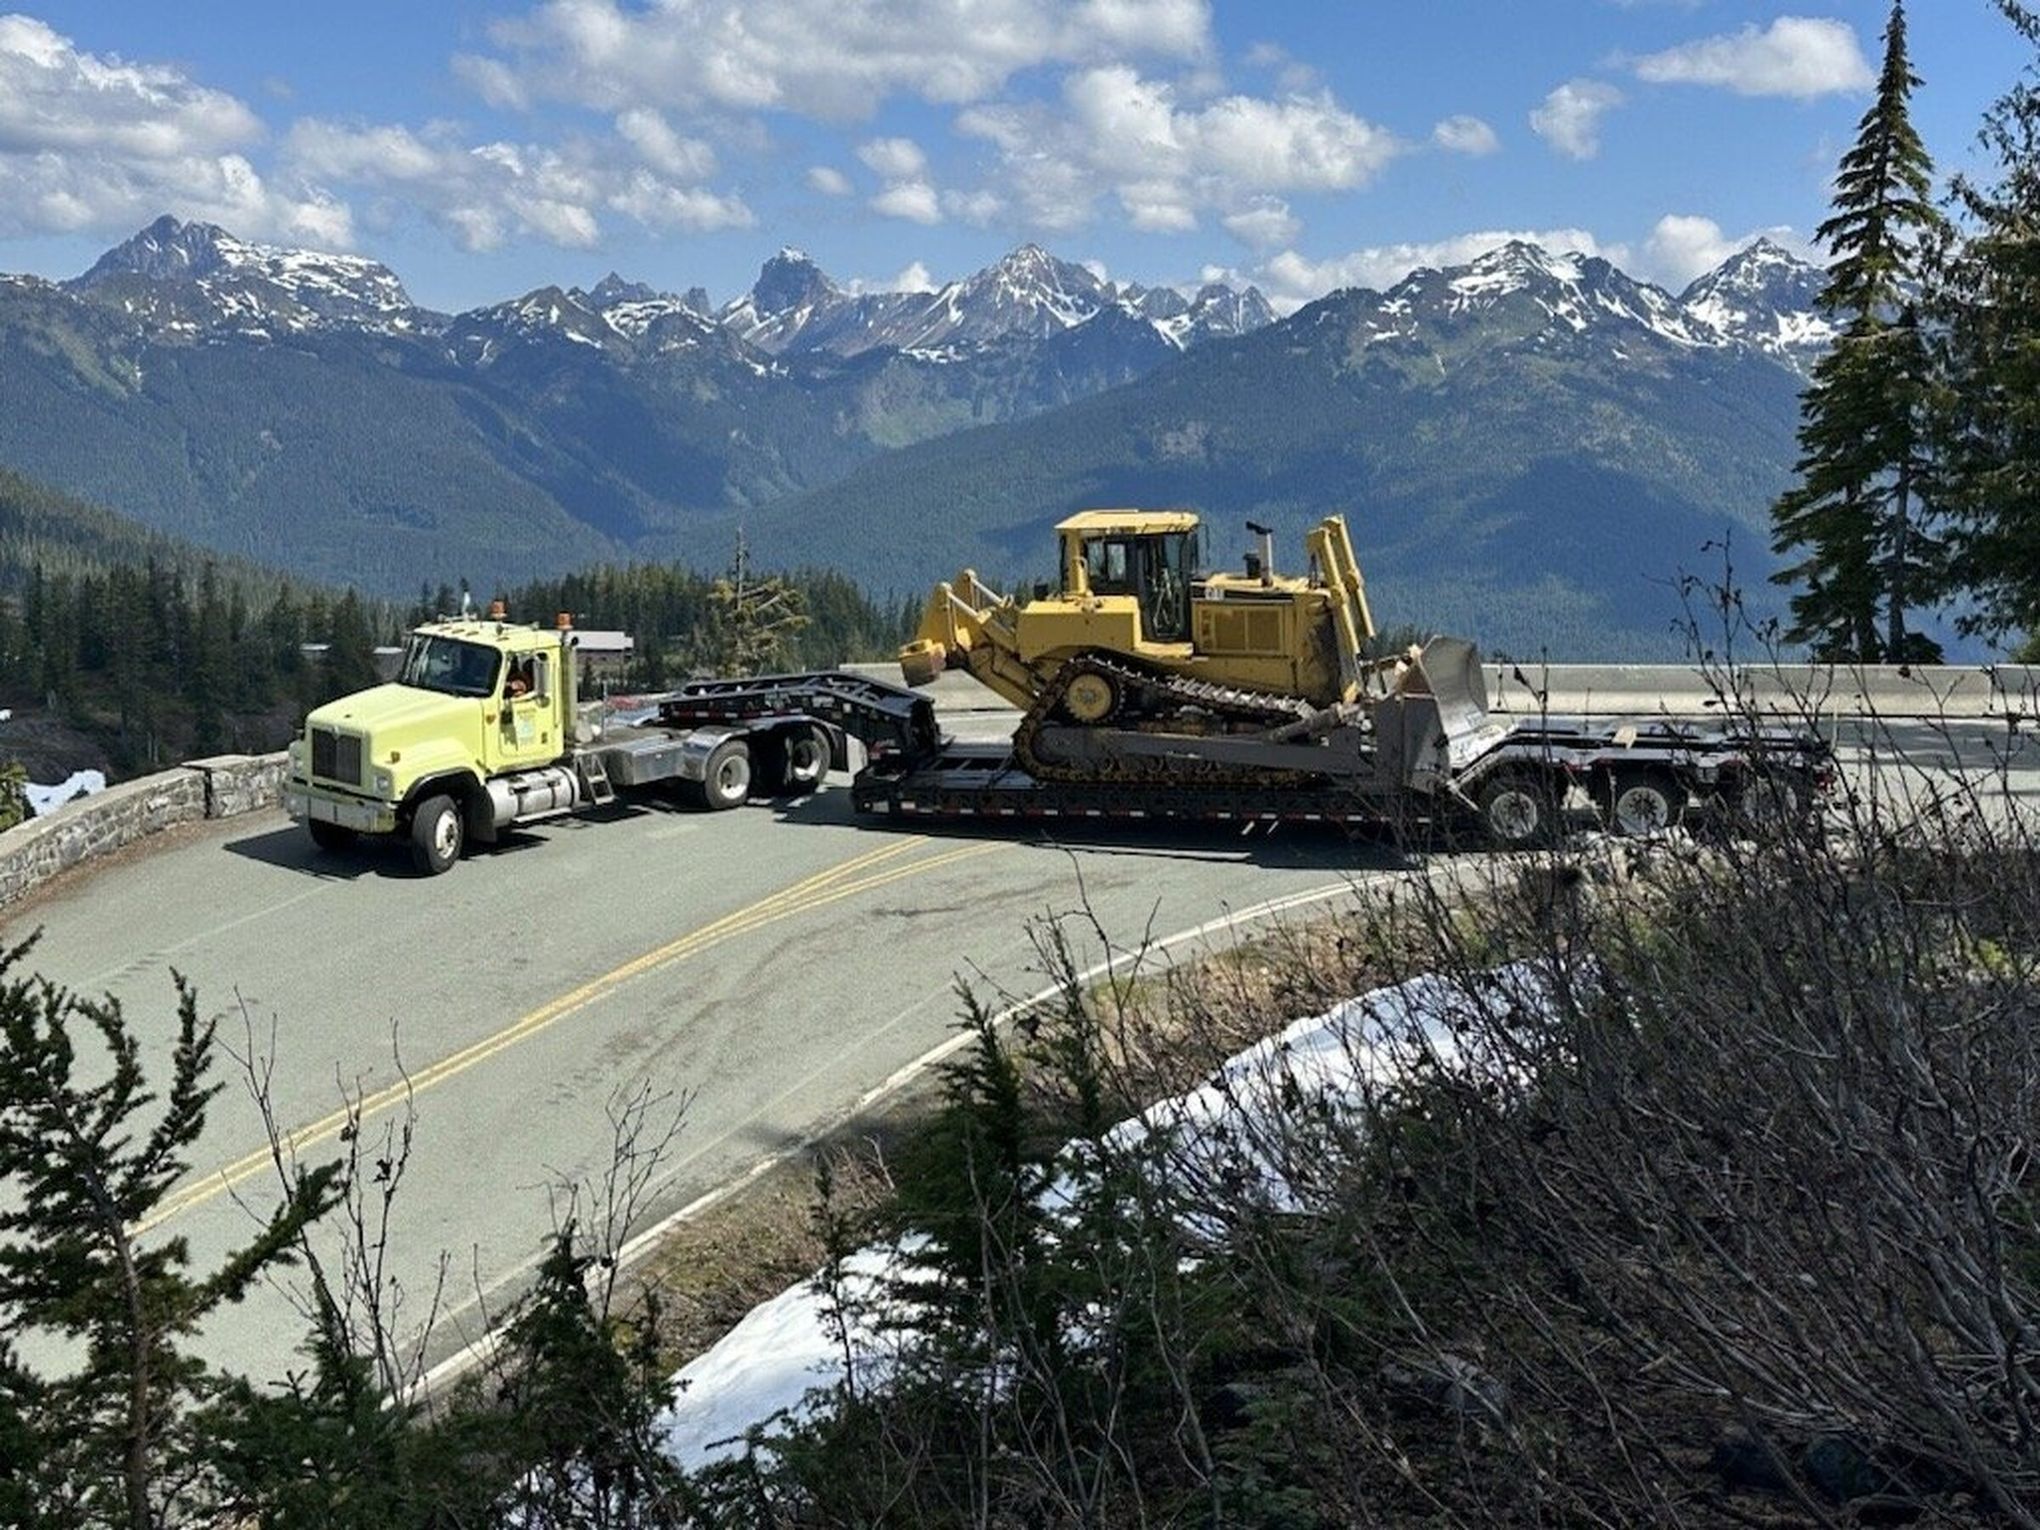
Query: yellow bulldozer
[1143,667]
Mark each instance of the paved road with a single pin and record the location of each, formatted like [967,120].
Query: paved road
[774,964]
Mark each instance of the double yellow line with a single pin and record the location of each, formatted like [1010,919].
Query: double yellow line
[859,874]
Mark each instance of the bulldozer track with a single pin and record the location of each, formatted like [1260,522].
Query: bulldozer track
[1160,693]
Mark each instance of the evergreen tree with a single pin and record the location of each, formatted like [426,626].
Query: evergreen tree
[350,650]
[1991,303]
[1861,510]
[112,1430]
[210,680]
[752,619]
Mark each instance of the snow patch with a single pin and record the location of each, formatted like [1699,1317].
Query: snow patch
[41,799]
[766,1366]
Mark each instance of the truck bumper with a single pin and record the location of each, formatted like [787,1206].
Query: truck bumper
[308,804]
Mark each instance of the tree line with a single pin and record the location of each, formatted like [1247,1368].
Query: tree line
[157,662]
[1919,474]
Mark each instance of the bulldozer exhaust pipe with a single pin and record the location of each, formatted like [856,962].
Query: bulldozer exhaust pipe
[1262,562]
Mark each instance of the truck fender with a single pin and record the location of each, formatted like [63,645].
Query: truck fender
[468,793]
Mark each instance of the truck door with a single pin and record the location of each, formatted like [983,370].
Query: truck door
[527,731]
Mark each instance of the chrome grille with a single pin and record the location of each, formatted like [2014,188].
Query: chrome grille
[336,756]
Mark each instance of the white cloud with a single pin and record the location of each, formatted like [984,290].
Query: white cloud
[1293,279]
[1264,225]
[1802,56]
[92,143]
[895,159]
[1166,161]
[835,59]
[828,180]
[916,201]
[976,208]
[1570,118]
[673,156]
[1682,246]
[1291,74]
[914,278]
[1465,135]
[486,193]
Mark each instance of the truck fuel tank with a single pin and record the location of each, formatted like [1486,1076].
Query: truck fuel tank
[533,794]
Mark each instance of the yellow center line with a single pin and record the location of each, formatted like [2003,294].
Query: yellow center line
[815,892]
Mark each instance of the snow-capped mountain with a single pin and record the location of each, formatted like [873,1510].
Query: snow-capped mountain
[1028,295]
[199,276]
[478,337]
[1764,297]
[1760,299]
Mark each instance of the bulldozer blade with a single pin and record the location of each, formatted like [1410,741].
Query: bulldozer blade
[1449,670]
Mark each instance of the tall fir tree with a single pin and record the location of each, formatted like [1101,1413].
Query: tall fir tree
[1862,514]
[1990,303]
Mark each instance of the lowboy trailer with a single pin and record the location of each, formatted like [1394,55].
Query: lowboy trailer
[1423,754]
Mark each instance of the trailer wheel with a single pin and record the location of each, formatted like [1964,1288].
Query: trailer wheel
[1768,802]
[330,836]
[805,753]
[726,780]
[1519,809]
[1638,804]
[437,835]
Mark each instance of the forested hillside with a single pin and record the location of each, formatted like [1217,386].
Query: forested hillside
[149,651]
[1518,492]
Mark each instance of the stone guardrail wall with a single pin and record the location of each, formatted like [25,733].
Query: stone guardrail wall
[103,822]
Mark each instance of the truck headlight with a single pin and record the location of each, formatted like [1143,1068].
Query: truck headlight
[385,785]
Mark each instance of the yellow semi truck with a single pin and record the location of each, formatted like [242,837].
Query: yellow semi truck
[482,730]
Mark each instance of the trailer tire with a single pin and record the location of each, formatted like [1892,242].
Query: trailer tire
[726,779]
[1642,803]
[1519,809]
[438,835]
[330,837]
[1768,802]
[804,753]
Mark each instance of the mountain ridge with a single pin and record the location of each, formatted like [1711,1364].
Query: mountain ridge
[284,406]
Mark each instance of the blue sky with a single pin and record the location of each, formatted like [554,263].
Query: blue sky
[485,147]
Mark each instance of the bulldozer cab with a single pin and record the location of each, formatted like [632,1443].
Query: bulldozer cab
[1151,556]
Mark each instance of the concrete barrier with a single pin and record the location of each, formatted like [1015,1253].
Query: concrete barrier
[2009,691]
[103,822]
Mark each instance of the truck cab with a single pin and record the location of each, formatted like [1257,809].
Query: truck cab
[476,731]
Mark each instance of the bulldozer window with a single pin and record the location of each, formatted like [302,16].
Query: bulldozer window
[1105,567]
[1167,564]
[1155,570]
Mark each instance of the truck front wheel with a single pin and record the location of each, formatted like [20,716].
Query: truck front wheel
[437,834]
[330,836]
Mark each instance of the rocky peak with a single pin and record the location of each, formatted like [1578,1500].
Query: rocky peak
[790,281]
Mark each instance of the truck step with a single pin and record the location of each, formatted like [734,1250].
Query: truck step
[595,779]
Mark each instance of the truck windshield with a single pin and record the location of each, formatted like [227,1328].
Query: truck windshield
[450,666]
